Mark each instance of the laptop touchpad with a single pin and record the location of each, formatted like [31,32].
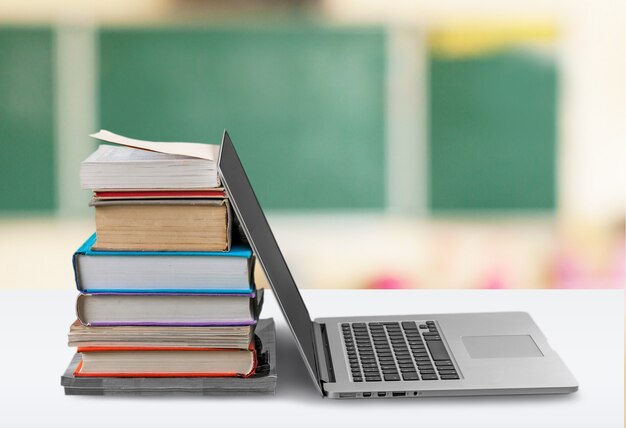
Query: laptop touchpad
[514,346]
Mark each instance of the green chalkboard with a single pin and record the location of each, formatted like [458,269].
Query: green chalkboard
[305,107]
[493,132]
[26,120]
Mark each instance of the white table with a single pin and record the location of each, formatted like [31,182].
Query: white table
[586,327]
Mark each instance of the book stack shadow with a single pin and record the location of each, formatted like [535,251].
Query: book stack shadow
[167,302]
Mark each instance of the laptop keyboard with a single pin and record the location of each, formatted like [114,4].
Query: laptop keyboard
[394,351]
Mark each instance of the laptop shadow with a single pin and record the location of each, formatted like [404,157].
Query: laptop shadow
[294,381]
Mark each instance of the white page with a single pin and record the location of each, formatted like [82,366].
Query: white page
[113,154]
[194,150]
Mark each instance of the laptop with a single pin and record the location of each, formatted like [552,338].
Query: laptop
[421,355]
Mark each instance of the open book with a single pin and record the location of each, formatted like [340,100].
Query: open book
[133,164]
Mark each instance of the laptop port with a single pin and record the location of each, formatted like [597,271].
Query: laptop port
[367,394]
[382,394]
[398,394]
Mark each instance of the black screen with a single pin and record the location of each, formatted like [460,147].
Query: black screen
[264,244]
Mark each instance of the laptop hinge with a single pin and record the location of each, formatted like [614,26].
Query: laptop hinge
[322,353]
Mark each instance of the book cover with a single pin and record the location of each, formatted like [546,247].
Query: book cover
[180,285]
[169,374]
[217,193]
[255,302]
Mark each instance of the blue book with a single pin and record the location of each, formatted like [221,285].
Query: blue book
[200,272]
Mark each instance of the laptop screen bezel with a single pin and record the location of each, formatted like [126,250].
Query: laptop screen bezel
[259,234]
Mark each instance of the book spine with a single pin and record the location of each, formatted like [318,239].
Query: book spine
[75,264]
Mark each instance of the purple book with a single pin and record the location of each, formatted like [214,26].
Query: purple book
[113,309]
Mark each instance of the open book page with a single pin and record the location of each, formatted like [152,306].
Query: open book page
[112,154]
[194,150]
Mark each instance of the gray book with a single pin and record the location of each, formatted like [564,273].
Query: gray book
[262,382]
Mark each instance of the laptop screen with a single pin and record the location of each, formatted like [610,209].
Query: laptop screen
[264,244]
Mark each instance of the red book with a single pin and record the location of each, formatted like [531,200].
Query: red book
[166,362]
[160,194]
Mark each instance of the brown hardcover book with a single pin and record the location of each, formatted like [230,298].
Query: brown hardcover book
[163,225]
[131,336]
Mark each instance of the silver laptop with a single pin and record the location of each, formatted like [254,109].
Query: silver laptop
[399,355]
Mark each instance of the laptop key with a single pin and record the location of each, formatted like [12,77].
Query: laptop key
[449,376]
[438,351]
[429,377]
[388,367]
[443,363]
[392,377]
[410,376]
[369,365]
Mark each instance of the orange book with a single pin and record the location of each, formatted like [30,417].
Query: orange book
[166,362]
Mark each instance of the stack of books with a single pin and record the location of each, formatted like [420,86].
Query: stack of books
[166,288]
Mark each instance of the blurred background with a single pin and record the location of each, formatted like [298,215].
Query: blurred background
[397,144]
